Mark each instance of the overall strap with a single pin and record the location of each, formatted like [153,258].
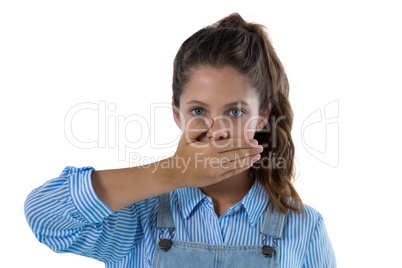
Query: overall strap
[274,222]
[164,218]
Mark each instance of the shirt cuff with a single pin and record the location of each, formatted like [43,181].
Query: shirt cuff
[83,195]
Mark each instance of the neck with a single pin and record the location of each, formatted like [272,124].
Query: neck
[230,191]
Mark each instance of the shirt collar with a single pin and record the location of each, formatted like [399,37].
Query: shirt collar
[254,202]
[189,197]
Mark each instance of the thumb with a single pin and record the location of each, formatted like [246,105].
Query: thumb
[196,128]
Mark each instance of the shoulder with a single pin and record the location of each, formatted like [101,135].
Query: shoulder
[306,222]
[150,205]
[309,234]
[147,206]
[147,209]
[310,214]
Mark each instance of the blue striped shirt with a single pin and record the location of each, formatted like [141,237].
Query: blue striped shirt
[66,215]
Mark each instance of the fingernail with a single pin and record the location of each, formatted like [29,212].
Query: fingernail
[255,142]
[211,122]
[207,122]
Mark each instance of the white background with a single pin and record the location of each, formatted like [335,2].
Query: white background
[57,54]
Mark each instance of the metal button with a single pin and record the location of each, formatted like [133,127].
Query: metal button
[267,251]
[165,244]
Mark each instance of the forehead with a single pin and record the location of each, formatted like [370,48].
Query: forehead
[211,83]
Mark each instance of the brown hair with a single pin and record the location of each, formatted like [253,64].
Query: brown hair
[246,47]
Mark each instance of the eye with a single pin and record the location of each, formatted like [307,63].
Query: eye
[237,112]
[197,110]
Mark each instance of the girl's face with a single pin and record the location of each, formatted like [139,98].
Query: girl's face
[224,96]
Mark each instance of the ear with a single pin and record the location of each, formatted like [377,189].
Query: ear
[263,121]
[176,115]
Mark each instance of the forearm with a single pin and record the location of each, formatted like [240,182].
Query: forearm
[118,188]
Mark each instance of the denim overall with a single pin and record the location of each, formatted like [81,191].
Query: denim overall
[175,253]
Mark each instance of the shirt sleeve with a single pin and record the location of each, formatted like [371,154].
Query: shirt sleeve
[66,215]
[320,253]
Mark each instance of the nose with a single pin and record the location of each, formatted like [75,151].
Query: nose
[218,129]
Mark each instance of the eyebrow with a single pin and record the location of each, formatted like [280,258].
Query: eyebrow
[226,105]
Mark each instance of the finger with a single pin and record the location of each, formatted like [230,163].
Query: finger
[237,154]
[227,165]
[233,143]
[196,127]
[237,168]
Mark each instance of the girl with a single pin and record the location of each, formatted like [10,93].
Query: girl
[221,200]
